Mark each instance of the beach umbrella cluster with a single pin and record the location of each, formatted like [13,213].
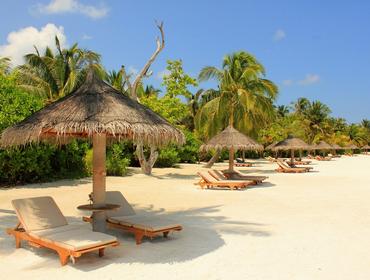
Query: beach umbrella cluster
[102,114]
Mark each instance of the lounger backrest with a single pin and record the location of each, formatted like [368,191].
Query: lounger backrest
[281,164]
[207,177]
[216,175]
[116,197]
[222,175]
[38,213]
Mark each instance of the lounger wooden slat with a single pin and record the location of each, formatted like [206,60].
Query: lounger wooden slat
[30,229]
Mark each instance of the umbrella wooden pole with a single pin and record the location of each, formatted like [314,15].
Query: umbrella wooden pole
[231,159]
[99,154]
[292,156]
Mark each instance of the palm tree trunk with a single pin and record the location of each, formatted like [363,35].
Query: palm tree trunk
[212,161]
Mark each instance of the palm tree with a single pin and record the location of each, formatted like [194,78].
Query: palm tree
[301,105]
[4,65]
[244,98]
[316,116]
[365,123]
[56,75]
[282,111]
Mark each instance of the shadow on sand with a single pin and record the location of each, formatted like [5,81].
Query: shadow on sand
[202,234]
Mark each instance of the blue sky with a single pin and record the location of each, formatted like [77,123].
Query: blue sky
[316,49]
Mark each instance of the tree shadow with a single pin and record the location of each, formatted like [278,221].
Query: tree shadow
[202,234]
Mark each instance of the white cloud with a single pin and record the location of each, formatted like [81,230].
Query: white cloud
[279,35]
[86,37]
[162,73]
[22,41]
[287,82]
[73,6]
[309,80]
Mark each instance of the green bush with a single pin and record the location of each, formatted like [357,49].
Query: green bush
[116,161]
[189,153]
[168,157]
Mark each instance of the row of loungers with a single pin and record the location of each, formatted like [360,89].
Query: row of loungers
[42,224]
[217,179]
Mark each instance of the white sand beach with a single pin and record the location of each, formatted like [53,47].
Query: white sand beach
[296,226]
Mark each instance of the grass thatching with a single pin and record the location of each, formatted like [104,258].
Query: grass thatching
[337,147]
[95,107]
[291,143]
[231,138]
[322,145]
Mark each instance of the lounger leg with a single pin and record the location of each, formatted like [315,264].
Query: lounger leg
[17,241]
[139,237]
[63,257]
[101,252]
[165,234]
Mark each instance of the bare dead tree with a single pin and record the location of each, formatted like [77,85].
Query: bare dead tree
[146,164]
[144,71]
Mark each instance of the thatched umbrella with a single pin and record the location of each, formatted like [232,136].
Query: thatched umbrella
[291,143]
[336,147]
[323,146]
[99,112]
[366,148]
[271,146]
[233,140]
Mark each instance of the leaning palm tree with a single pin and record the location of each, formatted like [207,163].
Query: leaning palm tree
[54,75]
[244,100]
[301,105]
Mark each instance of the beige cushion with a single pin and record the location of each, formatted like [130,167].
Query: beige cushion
[116,197]
[38,213]
[76,239]
[146,223]
[49,231]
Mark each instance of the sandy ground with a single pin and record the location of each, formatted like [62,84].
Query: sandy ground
[295,226]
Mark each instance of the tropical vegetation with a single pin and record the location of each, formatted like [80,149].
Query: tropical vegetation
[242,97]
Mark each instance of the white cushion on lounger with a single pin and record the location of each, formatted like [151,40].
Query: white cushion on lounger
[145,222]
[39,213]
[44,232]
[75,239]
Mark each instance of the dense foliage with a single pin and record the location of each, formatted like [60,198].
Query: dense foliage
[243,98]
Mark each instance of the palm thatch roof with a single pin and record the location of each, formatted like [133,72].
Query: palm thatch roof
[337,147]
[231,138]
[291,143]
[95,107]
[366,147]
[322,145]
[352,147]
[269,147]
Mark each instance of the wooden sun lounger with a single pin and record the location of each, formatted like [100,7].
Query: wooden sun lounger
[209,181]
[284,169]
[271,159]
[323,158]
[126,219]
[288,164]
[42,224]
[239,176]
